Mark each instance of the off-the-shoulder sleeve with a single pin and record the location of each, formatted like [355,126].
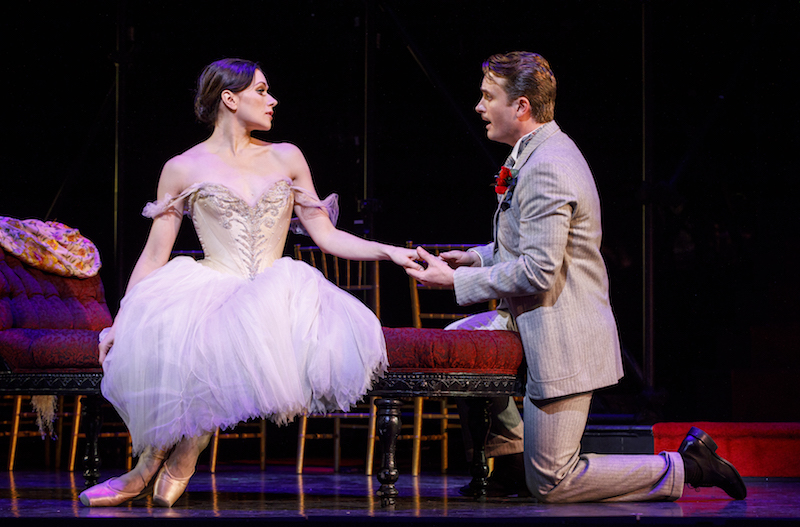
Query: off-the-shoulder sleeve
[303,198]
[177,204]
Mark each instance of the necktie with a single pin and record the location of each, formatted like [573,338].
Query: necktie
[522,145]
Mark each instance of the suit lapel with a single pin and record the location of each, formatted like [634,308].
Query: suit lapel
[548,129]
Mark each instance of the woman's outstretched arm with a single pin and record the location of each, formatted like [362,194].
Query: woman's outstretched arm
[330,239]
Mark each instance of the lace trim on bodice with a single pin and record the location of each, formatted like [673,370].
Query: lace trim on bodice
[250,228]
[301,197]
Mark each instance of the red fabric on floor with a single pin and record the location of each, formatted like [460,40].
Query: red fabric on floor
[755,449]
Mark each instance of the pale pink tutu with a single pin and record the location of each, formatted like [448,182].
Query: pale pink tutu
[197,349]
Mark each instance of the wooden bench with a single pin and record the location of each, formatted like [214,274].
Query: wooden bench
[427,362]
[49,326]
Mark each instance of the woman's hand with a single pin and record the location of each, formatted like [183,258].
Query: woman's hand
[406,258]
[105,345]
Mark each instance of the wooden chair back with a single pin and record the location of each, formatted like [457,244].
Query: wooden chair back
[362,279]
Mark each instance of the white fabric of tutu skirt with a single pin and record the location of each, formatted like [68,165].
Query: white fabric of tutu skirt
[244,333]
[221,349]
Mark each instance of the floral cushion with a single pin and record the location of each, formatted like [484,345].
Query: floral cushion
[50,246]
[439,350]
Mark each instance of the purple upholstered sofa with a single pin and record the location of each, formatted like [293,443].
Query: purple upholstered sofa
[49,326]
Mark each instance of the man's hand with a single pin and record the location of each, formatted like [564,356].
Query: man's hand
[438,272]
[461,259]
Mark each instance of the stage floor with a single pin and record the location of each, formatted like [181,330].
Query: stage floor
[243,493]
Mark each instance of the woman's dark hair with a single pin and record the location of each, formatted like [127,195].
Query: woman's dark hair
[225,74]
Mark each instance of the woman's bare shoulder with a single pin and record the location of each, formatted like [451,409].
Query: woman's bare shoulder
[192,161]
[290,156]
[189,158]
[178,171]
[286,150]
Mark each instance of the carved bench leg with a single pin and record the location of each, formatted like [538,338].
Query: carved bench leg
[93,420]
[388,426]
[479,422]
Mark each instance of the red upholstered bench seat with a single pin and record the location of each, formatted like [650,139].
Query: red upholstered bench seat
[26,350]
[428,362]
[423,362]
[489,352]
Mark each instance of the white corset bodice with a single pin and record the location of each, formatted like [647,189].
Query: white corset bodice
[239,238]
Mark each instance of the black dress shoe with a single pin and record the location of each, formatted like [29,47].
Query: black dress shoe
[711,470]
[497,488]
[507,479]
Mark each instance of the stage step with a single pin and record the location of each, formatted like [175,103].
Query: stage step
[617,439]
[755,449]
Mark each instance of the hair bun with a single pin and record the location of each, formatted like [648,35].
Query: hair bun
[225,74]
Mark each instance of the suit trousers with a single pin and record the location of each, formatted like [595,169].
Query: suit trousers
[506,430]
[556,471]
[550,436]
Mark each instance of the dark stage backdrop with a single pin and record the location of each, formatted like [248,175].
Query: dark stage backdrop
[722,132]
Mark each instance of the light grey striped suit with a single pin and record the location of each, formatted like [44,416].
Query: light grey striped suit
[545,264]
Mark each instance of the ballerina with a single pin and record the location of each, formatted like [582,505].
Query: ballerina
[243,333]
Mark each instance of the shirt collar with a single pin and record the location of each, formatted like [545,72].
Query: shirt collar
[515,152]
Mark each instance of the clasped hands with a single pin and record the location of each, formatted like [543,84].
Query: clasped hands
[439,270]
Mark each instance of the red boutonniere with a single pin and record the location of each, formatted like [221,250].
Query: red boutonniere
[503,179]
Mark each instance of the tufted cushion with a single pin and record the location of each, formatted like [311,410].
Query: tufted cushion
[30,298]
[41,349]
[426,349]
[49,321]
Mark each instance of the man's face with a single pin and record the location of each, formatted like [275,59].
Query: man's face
[503,125]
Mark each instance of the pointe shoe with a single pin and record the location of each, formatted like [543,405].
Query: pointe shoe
[104,495]
[168,488]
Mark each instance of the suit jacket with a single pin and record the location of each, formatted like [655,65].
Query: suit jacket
[545,263]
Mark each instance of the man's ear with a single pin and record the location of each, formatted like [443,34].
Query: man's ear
[523,107]
[229,99]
